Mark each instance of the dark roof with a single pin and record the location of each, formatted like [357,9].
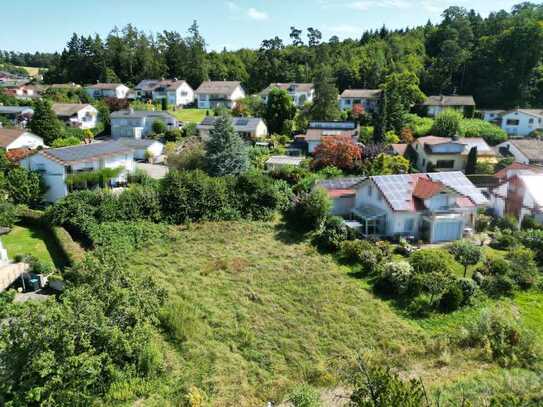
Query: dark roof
[136,143]
[449,101]
[69,109]
[340,183]
[85,152]
[239,123]
[149,85]
[289,86]
[332,125]
[361,93]
[140,113]
[15,109]
[218,87]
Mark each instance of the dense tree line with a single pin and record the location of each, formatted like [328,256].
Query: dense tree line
[498,59]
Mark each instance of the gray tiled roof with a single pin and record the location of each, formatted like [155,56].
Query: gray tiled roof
[136,143]
[140,113]
[85,152]
[148,85]
[240,123]
[68,109]
[531,148]
[340,183]
[361,93]
[290,86]
[15,109]
[218,87]
[441,100]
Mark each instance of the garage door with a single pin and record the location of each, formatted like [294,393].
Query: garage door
[447,231]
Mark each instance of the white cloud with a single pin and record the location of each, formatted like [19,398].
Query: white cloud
[232,6]
[344,29]
[256,14]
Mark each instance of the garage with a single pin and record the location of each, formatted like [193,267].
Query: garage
[447,230]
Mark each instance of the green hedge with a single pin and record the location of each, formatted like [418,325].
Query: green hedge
[69,249]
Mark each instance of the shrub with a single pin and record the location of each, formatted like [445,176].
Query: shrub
[523,268]
[529,222]
[421,126]
[173,135]
[428,261]
[421,306]
[362,252]
[447,123]
[507,222]
[139,203]
[468,287]
[8,214]
[125,237]
[503,241]
[451,299]
[498,286]
[304,396]
[500,332]
[482,223]
[339,151]
[396,276]
[466,253]
[480,128]
[332,233]
[309,209]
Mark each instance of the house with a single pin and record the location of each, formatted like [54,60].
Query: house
[515,169]
[519,195]
[57,165]
[317,130]
[249,128]
[19,115]
[80,115]
[276,162]
[176,92]
[446,154]
[522,122]
[11,139]
[436,104]
[301,93]
[138,124]
[20,90]
[367,98]
[212,94]
[493,116]
[525,151]
[144,149]
[435,207]
[107,90]
[397,149]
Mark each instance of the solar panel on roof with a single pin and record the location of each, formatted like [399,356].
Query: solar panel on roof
[242,122]
[459,182]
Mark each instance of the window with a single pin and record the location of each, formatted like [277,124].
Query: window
[531,121]
[423,162]
[445,164]
[40,168]
[357,101]
[513,122]
[409,225]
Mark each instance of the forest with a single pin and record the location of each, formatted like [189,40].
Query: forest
[487,57]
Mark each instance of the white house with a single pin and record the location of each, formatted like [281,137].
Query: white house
[525,151]
[249,128]
[519,195]
[138,124]
[367,98]
[436,104]
[522,122]
[57,164]
[300,93]
[493,115]
[80,115]
[11,139]
[143,148]
[446,154]
[176,92]
[317,130]
[107,90]
[435,207]
[212,94]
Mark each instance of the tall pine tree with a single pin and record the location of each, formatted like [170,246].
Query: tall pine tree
[45,123]
[325,104]
[226,153]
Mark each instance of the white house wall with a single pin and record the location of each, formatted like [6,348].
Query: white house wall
[519,156]
[52,173]
[524,128]
[26,140]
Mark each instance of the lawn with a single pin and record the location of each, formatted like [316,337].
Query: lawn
[252,311]
[189,115]
[23,240]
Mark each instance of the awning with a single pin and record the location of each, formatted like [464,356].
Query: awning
[367,212]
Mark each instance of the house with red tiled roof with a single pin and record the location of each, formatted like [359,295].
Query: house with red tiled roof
[435,207]
[11,139]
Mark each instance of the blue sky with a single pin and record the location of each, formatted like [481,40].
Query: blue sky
[46,25]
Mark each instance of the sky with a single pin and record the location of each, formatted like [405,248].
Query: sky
[46,25]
